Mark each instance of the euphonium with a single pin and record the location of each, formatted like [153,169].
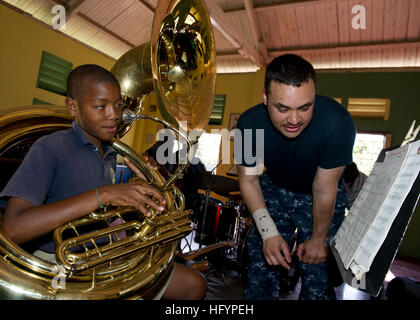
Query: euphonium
[178,65]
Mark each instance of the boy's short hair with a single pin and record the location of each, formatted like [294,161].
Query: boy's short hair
[288,69]
[80,78]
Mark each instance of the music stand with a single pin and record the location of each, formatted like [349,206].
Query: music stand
[373,279]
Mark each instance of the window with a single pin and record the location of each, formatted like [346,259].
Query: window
[53,73]
[367,148]
[369,108]
[208,150]
[216,116]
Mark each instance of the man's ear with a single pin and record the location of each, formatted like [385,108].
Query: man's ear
[264,97]
[72,106]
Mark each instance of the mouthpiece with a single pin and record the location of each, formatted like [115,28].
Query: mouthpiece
[129,116]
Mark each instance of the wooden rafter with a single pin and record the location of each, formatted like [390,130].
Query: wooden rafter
[389,45]
[340,49]
[74,9]
[101,28]
[284,4]
[71,9]
[221,22]
[147,5]
[255,29]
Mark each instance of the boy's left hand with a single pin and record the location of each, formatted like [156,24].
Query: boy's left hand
[151,163]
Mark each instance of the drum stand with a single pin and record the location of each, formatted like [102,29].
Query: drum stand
[190,256]
[206,204]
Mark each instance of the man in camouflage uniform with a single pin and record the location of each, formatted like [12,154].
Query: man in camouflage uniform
[308,140]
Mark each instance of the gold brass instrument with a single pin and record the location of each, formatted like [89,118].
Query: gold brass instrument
[132,258]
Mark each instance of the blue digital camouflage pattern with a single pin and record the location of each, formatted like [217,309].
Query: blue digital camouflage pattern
[290,210]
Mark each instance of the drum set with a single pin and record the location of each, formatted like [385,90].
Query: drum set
[219,229]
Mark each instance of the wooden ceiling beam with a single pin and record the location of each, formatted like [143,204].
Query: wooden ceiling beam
[74,9]
[222,23]
[147,5]
[255,29]
[284,4]
[71,9]
[371,46]
[316,50]
[103,29]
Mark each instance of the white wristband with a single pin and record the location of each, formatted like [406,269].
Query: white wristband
[265,225]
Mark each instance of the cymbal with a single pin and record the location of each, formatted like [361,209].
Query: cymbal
[218,184]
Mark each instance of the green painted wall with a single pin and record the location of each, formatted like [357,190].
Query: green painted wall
[22,41]
[403,88]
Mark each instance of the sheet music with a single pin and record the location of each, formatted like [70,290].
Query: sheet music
[348,237]
[370,218]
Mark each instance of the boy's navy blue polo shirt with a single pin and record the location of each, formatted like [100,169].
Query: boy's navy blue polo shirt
[59,166]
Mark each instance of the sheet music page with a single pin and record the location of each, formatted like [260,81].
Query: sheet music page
[391,206]
[366,207]
[371,213]
[355,224]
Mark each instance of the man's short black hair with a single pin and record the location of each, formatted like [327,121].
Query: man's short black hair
[81,77]
[288,69]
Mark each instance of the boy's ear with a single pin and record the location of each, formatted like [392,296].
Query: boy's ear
[72,106]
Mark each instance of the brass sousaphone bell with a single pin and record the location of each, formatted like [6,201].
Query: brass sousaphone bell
[178,65]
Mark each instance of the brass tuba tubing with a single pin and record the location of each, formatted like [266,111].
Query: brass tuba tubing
[130,116]
[176,230]
[174,219]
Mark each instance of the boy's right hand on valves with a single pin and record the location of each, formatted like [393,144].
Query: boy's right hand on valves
[135,194]
[276,252]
